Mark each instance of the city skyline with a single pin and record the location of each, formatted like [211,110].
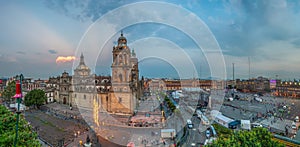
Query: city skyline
[38,36]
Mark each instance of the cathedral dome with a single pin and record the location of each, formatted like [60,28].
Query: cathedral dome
[122,40]
[82,69]
[82,66]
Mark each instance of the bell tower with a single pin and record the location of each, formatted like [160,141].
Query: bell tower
[123,97]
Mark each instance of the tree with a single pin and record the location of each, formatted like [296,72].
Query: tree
[9,91]
[8,132]
[257,137]
[35,98]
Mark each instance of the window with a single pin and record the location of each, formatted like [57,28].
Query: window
[120,77]
[84,96]
[120,99]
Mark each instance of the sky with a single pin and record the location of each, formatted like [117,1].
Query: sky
[172,39]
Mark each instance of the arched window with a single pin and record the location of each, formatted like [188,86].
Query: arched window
[120,77]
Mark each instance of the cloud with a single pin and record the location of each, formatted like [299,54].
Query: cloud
[85,10]
[52,51]
[21,52]
[296,43]
[63,59]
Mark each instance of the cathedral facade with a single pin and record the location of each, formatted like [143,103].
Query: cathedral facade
[116,94]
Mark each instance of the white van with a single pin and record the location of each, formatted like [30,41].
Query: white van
[189,124]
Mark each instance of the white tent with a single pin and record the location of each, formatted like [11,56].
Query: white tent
[245,124]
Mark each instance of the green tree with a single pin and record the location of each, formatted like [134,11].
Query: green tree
[35,98]
[258,137]
[26,137]
[9,91]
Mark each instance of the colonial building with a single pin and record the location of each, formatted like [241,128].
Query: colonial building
[287,89]
[59,89]
[177,84]
[125,85]
[259,84]
[83,86]
[118,93]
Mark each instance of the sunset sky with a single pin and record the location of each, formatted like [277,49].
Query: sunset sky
[43,38]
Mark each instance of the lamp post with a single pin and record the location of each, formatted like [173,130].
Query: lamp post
[18,96]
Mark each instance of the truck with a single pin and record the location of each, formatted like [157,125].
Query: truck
[167,133]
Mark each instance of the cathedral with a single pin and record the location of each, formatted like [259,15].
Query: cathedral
[117,94]
[125,86]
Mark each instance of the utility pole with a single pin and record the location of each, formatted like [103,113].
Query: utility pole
[249,67]
[233,73]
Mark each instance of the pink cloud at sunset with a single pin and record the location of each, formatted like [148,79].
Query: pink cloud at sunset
[63,59]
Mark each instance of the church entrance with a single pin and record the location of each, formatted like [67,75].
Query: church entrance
[64,100]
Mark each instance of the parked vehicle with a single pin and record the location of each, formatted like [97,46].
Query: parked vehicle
[294,126]
[256,125]
[207,133]
[199,114]
[296,119]
[189,124]
[258,99]
[230,99]
[234,124]
[214,133]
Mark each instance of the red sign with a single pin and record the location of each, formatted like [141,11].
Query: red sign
[18,91]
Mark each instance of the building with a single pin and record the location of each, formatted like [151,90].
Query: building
[118,93]
[59,89]
[287,89]
[84,90]
[259,84]
[177,84]
[125,88]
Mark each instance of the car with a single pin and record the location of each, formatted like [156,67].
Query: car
[189,124]
[258,99]
[294,126]
[296,119]
[229,99]
[256,125]
[207,133]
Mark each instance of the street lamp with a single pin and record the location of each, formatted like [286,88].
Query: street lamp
[18,96]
